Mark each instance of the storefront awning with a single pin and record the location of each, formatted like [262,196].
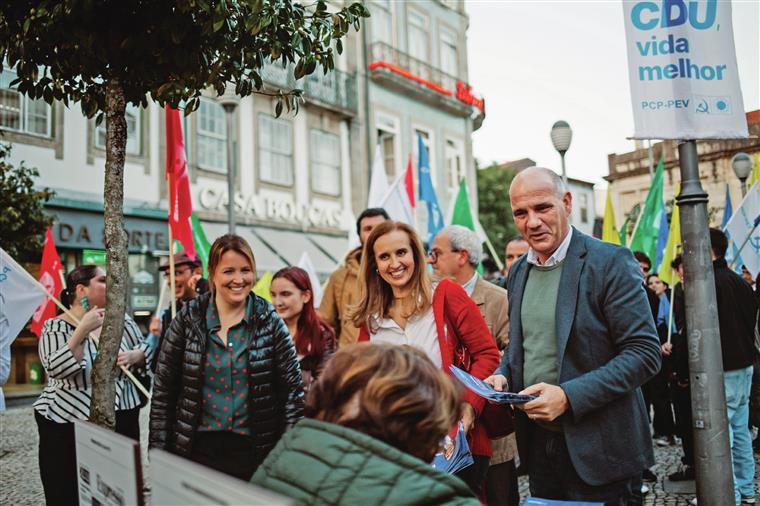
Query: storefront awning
[266,259]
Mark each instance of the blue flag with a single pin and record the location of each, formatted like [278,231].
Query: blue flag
[427,192]
[662,238]
[728,210]
[732,250]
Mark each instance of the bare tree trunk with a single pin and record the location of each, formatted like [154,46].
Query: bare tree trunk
[104,372]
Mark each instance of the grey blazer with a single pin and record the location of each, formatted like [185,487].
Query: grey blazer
[607,348]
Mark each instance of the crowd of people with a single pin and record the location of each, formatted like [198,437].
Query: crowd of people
[349,402]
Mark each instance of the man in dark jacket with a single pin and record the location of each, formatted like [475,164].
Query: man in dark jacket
[737,311]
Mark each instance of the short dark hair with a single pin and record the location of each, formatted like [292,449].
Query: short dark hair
[517,238]
[640,256]
[718,242]
[369,213]
[677,262]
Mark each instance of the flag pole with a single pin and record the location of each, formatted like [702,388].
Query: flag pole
[171,253]
[161,299]
[94,338]
[496,258]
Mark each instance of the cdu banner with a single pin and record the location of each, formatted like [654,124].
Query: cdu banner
[683,72]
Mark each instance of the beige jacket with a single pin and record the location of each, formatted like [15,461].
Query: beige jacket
[342,290]
[493,304]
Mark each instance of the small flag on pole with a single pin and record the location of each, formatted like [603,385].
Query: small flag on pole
[378,185]
[180,202]
[609,228]
[648,228]
[427,192]
[50,277]
[673,245]
[263,286]
[20,295]
[396,202]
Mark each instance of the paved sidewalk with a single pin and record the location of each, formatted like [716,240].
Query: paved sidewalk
[20,483]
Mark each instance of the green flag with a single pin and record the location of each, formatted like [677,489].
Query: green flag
[624,232]
[462,213]
[648,227]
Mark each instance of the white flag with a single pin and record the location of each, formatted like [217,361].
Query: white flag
[20,294]
[740,226]
[378,185]
[396,202]
[316,287]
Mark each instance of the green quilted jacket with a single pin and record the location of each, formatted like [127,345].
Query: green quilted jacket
[323,463]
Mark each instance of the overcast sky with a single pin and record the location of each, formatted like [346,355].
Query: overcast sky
[536,62]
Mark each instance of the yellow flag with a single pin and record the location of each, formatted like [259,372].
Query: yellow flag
[673,247]
[609,228]
[754,176]
[263,285]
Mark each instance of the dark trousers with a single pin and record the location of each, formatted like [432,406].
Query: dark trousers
[226,452]
[656,395]
[128,423]
[58,462]
[552,475]
[501,485]
[682,406]
[475,475]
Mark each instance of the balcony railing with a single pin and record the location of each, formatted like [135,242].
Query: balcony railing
[382,52]
[337,88]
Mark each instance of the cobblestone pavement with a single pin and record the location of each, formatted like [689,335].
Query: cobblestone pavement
[20,483]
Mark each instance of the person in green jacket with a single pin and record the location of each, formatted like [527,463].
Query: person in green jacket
[375,420]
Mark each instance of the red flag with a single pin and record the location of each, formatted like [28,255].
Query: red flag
[409,181]
[180,203]
[50,278]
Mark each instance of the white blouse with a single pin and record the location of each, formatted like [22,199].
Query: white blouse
[420,332]
[67,394]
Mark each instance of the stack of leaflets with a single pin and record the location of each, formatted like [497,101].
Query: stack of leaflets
[535,501]
[485,390]
[455,454]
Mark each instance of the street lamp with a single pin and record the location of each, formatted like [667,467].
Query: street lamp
[562,134]
[742,165]
[229,101]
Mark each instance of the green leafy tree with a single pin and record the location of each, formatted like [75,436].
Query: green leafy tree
[22,217]
[493,205]
[104,54]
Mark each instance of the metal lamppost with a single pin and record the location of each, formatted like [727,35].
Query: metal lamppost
[561,135]
[229,101]
[742,165]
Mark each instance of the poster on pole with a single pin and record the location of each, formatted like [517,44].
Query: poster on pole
[108,467]
[683,71]
[180,482]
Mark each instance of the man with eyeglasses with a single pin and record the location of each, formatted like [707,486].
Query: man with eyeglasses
[455,254]
[188,284]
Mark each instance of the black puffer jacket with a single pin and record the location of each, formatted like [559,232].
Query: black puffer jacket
[274,380]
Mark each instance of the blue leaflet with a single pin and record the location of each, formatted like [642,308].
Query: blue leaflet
[455,455]
[484,390]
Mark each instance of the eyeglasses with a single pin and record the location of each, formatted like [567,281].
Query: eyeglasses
[433,254]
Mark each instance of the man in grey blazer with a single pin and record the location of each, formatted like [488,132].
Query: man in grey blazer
[583,338]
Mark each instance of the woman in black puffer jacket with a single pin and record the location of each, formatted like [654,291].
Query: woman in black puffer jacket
[227,382]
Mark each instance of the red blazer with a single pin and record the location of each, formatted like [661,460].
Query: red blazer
[455,312]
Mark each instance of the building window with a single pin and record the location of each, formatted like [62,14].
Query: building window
[211,136]
[418,44]
[275,150]
[382,21]
[583,199]
[454,165]
[132,115]
[20,113]
[325,163]
[449,57]
[387,137]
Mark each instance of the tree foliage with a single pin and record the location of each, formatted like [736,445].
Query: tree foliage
[493,205]
[165,51]
[104,54]
[22,216]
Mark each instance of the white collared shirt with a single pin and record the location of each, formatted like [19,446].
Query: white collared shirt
[557,257]
[420,332]
[469,287]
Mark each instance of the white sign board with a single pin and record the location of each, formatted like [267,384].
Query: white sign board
[682,69]
[181,482]
[108,467]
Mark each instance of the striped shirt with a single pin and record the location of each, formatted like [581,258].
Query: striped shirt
[67,394]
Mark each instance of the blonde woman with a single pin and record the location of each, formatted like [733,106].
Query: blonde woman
[227,381]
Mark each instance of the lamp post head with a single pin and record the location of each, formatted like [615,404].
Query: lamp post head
[561,135]
[742,165]
[229,99]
